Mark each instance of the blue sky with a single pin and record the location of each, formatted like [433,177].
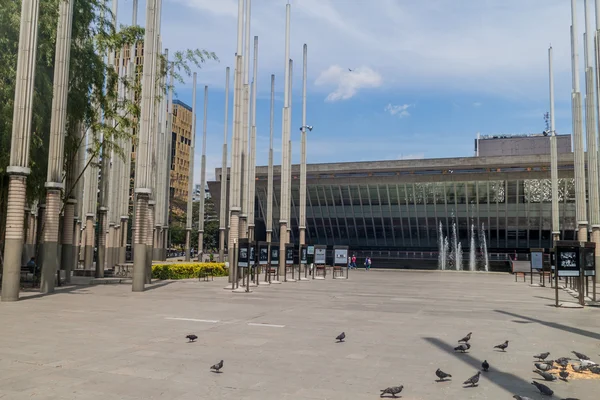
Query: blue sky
[427,75]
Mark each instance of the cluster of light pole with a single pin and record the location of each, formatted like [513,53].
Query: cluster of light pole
[591,106]
[239,217]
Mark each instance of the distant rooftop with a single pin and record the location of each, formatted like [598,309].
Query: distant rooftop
[182,104]
[516,135]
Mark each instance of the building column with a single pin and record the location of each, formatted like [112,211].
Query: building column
[101,260]
[221,245]
[149,240]
[51,225]
[90,240]
[123,248]
[18,169]
[68,253]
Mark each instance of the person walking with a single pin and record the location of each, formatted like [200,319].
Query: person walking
[368,263]
[349,262]
[353,261]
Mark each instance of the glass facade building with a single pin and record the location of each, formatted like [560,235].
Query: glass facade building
[399,205]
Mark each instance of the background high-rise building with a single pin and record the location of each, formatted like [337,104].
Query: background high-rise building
[181,142]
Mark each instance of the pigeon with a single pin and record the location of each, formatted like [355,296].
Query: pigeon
[545,390]
[564,374]
[473,380]
[545,375]
[516,396]
[563,362]
[462,347]
[442,375]
[191,338]
[393,390]
[595,369]
[502,346]
[544,366]
[466,338]
[485,366]
[542,356]
[578,368]
[341,337]
[217,367]
[580,355]
[587,363]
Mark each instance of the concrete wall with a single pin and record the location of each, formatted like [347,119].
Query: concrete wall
[521,146]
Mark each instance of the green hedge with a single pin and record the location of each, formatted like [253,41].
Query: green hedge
[186,270]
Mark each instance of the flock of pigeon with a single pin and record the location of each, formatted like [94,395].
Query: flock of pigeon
[543,367]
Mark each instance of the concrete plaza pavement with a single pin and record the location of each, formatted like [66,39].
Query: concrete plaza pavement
[105,342]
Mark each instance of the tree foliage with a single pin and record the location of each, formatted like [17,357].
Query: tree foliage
[93,101]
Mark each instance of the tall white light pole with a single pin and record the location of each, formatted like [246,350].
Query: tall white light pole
[580,200]
[235,180]
[18,169]
[245,125]
[590,125]
[224,180]
[142,178]
[269,222]
[188,226]
[283,215]
[202,179]
[597,78]
[303,153]
[553,156]
[252,155]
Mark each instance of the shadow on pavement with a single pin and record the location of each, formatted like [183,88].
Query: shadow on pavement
[554,325]
[507,381]
[59,290]
[158,285]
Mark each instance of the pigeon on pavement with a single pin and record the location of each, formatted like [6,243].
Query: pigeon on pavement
[545,390]
[341,337]
[587,363]
[466,338]
[516,396]
[217,367]
[563,362]
[462,347]
[544,366]
[564,374]
[442,375]
[473,380]
[191,338]
[581,356]
[594,369]
[578,368]
[502,346]
[545,375]
[485,366]
[542,356]
[393,390]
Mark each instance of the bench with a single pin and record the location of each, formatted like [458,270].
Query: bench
[205,273]
[320,270]
[123,270]
[338,271]
[26,271]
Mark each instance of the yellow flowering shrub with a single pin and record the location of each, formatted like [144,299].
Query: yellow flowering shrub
[187,270]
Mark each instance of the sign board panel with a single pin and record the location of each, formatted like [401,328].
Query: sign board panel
[303,255]
[274,255]
[243,254]
[537,260]
[320,255]
[252,251]
[340,256]
[311,250]
[263,253]
[567,259]
[289,255]
[589,261]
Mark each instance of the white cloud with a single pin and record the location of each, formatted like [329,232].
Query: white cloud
[432,45]
[415,156]
[400,110]
[348,81]
[477,104]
